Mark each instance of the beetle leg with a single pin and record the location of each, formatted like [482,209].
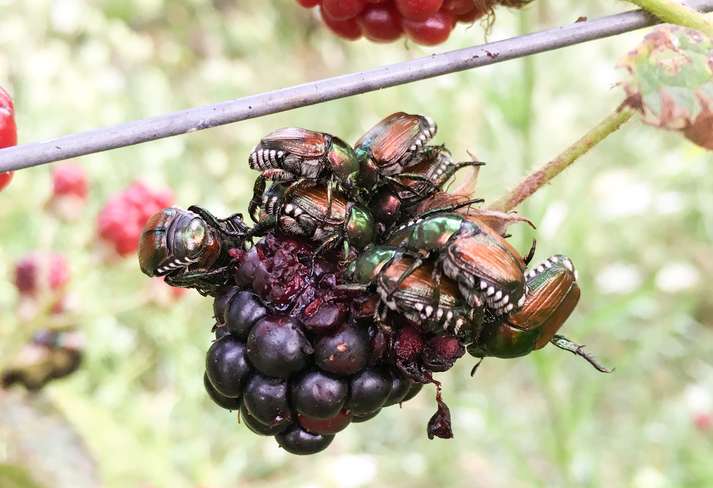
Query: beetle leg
[205,282]
[464,164]
[330,185]
[436,277]
[256,200]
[324,246]
[450,208]
[419,195]
[578,350]
[353,287]
[262,228]
[231,227]
[380,315]
[530,253]
[412,267]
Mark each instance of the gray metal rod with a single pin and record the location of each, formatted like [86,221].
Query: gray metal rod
[199,118]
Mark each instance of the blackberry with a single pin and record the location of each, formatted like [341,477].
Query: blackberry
[414,390]
[319,395]
[369,391]
[241,312]
[441,352]
[345,352]
[266,400]
[220,400]
[258,427]
[277,347]
[227,366]
[297,440]
[221,302]
[400,387]
[330,425]
[357,419]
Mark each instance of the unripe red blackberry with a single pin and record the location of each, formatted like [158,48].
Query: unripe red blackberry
[8,131]
[330,425]
[122,219]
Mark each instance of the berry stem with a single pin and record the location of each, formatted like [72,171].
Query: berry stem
[676,12]
[541,176]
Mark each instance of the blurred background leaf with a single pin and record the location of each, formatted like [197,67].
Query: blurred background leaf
[671,81]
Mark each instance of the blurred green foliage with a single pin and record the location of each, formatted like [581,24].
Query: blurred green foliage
[635,215]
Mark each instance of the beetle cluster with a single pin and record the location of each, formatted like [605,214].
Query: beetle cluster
[364,279]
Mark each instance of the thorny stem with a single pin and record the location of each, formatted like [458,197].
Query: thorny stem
[541,176]
[675,12]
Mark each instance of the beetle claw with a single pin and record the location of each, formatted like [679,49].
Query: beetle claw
[475,367]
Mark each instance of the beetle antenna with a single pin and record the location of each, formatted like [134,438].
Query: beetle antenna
[578,350]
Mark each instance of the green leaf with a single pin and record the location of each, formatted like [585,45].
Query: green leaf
[670,82]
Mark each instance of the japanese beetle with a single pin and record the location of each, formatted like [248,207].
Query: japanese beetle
[309,212]
[552,296]
[422,181]
[486,267]
[301,155]
[395,143]
[190,248]
[428,305]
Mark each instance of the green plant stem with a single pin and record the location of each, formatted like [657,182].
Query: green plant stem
[673,11]
[541,176]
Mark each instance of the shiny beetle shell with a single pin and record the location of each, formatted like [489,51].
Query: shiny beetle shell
[174,239]
[307,212]
[305,154]
[393,142]
[553,294]
[487,268]
[414,299]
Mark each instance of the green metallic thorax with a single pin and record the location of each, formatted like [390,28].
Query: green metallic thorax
[360,227]
[343,162]
[428,235]
[369,263]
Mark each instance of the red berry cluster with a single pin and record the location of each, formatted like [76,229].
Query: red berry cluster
[8,130]
[39,272]
[124,215]
[427,22]
[69,180]
[69,191]
[41,280]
